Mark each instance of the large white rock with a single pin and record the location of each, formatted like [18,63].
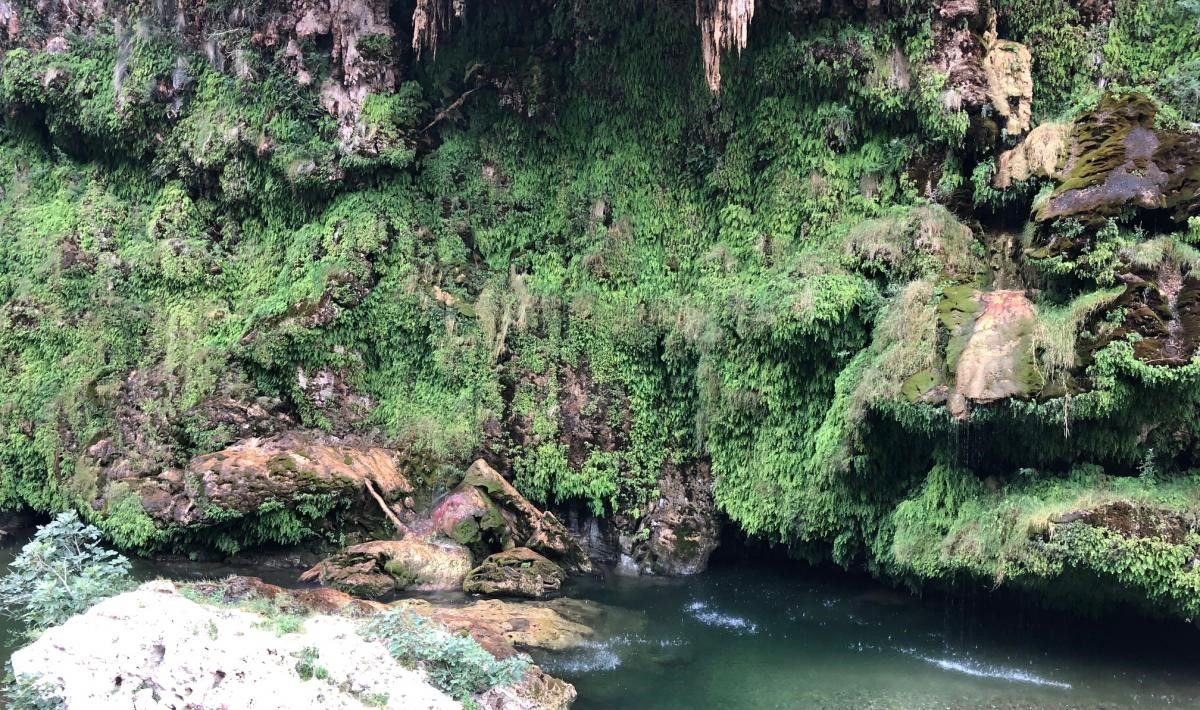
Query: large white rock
[153,648]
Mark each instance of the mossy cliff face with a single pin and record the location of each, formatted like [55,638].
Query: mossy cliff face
[553,246]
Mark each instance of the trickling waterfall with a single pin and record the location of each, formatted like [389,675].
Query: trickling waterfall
[1170,283]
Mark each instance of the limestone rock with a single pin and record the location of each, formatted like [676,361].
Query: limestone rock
[374,569]
[1008,67]
[997,358]
[537,530]
[506,627]
[1117,158]
[154,647]
[518,572]
[536,691]
[1037,155]
[242,477]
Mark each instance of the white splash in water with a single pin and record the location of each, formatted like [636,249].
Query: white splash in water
[589,657]
[700,612]
[982,671]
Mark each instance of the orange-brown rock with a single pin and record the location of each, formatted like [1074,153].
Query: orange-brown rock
[242,477]
[377,568]
[997,357]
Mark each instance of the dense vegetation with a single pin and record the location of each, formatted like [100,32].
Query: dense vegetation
[557,200]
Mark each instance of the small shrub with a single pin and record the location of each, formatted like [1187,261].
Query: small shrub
[307,666]
[457,665]
[30,693]
[60,573]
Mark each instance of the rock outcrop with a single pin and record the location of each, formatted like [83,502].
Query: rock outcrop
[1039,154]
[1008,68]
[156,648]
[997,357]
[1118,158]
[242,477]
[683,526]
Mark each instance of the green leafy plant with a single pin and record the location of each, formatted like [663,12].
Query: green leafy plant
[60,573]
[456,664]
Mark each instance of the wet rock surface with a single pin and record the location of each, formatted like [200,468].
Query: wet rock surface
[380,567]
[1117,157]
[683,526]
[519,572]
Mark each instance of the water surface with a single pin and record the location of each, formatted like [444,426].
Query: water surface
[775,636]
[757,635]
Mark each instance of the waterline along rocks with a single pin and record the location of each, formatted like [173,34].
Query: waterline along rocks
[497,294]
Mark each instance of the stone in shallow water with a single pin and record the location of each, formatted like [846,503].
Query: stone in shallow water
[376,568]
[519,572]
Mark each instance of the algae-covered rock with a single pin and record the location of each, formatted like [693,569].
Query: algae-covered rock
[527,526]
[1117,158]
[519,572]
[377,568]
[997,360]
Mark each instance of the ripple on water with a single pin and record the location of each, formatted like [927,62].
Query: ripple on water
[599,656]
[980,670]
[710,617]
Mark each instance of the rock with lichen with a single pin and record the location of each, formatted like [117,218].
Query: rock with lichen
[519,572]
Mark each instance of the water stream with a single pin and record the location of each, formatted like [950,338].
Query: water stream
[754,635]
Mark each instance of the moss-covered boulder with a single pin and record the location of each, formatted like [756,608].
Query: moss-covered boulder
[377,568]
[519,572]
[469,517]
[1119,158]
[538,530]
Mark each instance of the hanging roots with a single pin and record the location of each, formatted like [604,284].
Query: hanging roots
[430,19]
[724,25]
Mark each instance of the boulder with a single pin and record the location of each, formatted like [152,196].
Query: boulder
[518,572]
[469,517]
[377,568]
[527,526]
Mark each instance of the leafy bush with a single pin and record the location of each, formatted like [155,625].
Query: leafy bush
[457,665]
[62,572]
[30,693]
